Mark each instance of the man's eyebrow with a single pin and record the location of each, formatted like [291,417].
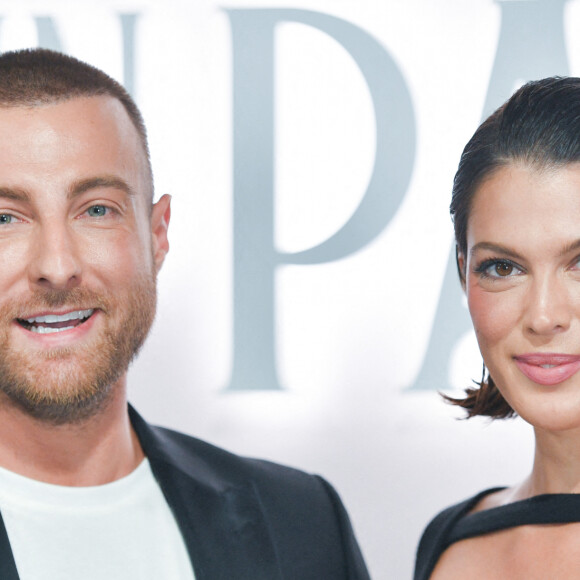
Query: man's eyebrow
[497,248]
[571,247]
[77,188]
[106,181]
[14,193]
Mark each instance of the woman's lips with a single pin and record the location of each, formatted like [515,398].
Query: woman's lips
[548,368]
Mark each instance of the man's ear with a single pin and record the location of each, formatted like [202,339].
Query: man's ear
[461,265]
[160,215]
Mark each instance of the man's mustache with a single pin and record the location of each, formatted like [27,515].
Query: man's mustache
[73,298]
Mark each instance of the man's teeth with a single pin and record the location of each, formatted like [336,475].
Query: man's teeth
[59,320]
[48,329]
[51,318]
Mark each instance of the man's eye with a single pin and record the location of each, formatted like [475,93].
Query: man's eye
[97,211]
[6,218]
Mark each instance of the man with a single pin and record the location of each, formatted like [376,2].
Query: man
[87,488]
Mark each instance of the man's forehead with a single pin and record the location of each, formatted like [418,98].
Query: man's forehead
[102,111]
[103,102]
[91,132]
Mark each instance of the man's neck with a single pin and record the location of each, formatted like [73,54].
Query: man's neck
[99,450]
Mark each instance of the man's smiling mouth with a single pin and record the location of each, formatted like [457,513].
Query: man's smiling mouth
[50,323]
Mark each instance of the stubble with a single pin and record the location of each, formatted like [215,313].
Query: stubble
[69,385]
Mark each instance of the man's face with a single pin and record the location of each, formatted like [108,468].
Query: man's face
[79,253]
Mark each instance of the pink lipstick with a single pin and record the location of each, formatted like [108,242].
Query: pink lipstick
[548,368]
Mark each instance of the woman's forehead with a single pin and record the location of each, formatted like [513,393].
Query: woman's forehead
[526,204]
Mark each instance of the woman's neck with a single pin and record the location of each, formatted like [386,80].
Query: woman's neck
[556,464]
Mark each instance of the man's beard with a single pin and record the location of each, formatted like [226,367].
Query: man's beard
[69,385]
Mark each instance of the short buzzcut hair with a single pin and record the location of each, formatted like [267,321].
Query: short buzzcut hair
[34,77]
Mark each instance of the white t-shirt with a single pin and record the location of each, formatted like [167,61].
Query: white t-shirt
[123,530]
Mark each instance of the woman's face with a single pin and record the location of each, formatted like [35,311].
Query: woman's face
[523,289]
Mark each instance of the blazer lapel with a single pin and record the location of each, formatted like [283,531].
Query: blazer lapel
[222,522]
[7,565]
[223,525]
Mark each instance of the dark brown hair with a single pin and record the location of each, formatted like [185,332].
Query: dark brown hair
[539,126]
[36,77]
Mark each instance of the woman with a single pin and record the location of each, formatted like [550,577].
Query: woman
[516,211]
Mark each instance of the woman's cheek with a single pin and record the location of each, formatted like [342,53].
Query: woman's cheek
[493,315]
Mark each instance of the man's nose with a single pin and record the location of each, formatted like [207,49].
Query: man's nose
[54,261]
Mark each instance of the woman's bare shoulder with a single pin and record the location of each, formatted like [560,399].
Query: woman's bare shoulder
[466,559]
[474,556]
[520,553]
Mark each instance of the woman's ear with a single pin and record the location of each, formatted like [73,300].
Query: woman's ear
[461,265]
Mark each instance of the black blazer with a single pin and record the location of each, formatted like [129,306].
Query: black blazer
[243,519]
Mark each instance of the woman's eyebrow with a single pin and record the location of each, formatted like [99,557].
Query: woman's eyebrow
[498,248]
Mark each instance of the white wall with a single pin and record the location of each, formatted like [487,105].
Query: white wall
[351,335]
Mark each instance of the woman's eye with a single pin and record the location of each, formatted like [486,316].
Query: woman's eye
[97,211]
[498,269]
[6,218]
[502,268]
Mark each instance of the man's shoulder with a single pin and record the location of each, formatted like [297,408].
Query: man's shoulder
[207,461]
[269,477]
[296,514]
[184,444]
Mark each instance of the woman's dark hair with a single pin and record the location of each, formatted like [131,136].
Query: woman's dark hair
[538,126]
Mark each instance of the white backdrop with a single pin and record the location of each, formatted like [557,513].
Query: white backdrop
[351,334]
